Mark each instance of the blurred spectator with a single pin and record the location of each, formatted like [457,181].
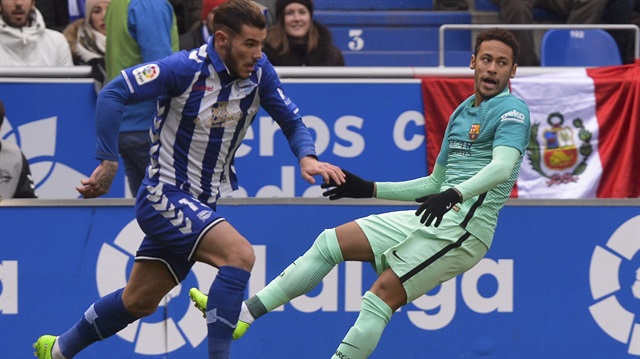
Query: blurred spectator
[24,39]
[521,12]
[198,35]
[450,5]
[15,175]
[88,40]
[620,12]
[269,9]
[298,40]
[58,14]
[187,14]
[138,31]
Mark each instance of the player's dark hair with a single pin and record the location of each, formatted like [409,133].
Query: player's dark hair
[501,35]
[233,14]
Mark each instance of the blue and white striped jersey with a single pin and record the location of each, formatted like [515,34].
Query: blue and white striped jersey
[203,113]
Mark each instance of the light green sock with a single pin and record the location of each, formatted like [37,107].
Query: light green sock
[365,333]
[301,276]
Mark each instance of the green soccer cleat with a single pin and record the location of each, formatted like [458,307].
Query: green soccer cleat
[43,346]
[240,330]
[199,300]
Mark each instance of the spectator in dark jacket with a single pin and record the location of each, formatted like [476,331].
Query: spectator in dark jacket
[198,35]
[297,40]
[58,14]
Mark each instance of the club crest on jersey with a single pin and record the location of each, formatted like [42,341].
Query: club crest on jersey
[147,73]
[221,116]
[559,158]
[474,132]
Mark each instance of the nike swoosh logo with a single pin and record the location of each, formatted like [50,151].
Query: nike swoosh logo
[448,206]
[212,317]
[395,254]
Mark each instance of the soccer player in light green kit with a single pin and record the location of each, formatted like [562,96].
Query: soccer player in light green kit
[452,229]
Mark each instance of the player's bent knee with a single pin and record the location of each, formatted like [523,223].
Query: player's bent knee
[327,244]
[241,256]
[389,288]
[140,308]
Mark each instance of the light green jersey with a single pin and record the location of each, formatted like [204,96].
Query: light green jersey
[471,136]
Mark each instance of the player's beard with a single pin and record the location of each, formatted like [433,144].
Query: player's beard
[232,63]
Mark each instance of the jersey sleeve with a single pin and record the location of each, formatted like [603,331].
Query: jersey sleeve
[412,189]
[167,77]
[282,110]
[514,126]
[273,97]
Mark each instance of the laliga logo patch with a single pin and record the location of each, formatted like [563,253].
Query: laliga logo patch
[153,336]
[614,278]
[146,74]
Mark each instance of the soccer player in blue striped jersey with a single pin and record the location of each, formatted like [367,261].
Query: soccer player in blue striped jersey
[453,227]
[206,101]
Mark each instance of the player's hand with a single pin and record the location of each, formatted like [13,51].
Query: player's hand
[310,166]
[100,181]
[353,187]
[434,206]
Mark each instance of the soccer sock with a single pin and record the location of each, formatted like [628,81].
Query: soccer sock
[103,319]
[223,307]
[248,315]
[301,276]
[365,334]
[55,351]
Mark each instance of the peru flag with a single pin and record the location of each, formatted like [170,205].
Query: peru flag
[585,131]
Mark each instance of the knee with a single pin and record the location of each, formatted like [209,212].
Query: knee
[241,256]
[391,291]
[138,306]
[327,245]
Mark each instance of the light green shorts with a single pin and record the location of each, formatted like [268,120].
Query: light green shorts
[422,257]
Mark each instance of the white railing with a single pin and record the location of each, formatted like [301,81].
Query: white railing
[46,71]
[446,27]
[78,73]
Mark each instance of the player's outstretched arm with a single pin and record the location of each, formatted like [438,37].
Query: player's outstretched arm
[352,187]
[100,181]
[310,166]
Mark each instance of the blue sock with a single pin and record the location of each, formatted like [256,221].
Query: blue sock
[103,319]
[223,308]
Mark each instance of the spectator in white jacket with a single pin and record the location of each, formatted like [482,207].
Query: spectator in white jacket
[25,40]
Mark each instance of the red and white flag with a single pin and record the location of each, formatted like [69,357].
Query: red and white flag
[585,130]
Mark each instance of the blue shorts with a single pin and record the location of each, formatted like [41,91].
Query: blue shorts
[174,223]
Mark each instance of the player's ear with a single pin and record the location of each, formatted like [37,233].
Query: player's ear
[472,63]
[222,38]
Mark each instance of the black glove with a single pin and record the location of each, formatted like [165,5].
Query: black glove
[353,187]
[434,206]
